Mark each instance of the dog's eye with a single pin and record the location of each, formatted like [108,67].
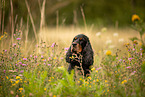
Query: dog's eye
[75,38]
[81,38]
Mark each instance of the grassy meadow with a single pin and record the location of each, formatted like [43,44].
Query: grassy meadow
[30,68]
[37,68]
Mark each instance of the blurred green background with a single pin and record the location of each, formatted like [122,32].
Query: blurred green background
[68,12]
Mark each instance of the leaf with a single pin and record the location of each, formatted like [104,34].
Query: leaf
[134,38]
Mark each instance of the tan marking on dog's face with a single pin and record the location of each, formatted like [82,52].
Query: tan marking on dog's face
[76,49]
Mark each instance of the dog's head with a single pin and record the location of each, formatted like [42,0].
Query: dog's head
[78,43]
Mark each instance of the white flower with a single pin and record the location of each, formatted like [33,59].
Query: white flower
[98,34]
[115,34]
[121,40]
[104,29]
[108,41]
[111,46]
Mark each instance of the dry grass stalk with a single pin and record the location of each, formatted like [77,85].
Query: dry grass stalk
[31,18]
[42,21]
[84,19]
[12,19]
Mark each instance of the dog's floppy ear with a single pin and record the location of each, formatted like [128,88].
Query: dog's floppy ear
[68,55]
[88,54]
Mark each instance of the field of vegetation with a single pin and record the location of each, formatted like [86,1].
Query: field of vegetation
[30,67]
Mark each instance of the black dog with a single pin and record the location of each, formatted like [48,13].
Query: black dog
[80,54]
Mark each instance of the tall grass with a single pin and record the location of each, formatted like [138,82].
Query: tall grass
[42,71]
[30,67]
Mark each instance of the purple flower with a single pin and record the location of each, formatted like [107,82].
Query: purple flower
[21,71]
[35,57]
[120,60]
[44,60]
[18,38]
[49,64]
[23,64]
[20,62]
[128,67]
[133,49]
[4,71]
[99,68]
[14,44]
[141,49]
[5,50]
[16,64]
[44,63]
[24,58]
[53,44]
[41,56]
[130,59]
[66,48]
[65,51]
[133,73]
[30,55]
[141,54]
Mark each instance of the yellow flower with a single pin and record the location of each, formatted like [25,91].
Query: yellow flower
[17,82]
[18,77]
[135,17]
[44,89]
[108,52]
[20,89]
[89,78]
[105,81]
[93,69]
[7,77]
[54,95]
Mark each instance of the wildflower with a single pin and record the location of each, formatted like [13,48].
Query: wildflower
[106,81]
[115,34]
[111,46]
[18,77]
[18,38]
[124,81]
[120,40]
[130,59]
[98,34]
[135,18]
[108,52]
[23,64]
[93,69]
[44,89]
[108,41]
[4,71]
[135,42]
[98,68]
[7,77]
[66,48]
[12,92]
[120,60]
[104,29]
[21,71]
[17,82]
[128,67]
[49,64]
[20,89]
[24,58]
[20,62]
[54,44]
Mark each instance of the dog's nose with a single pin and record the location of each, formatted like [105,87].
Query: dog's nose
[74,44]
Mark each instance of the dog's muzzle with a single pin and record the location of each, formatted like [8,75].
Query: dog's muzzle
[76,48]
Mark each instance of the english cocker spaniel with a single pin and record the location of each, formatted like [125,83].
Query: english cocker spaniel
[80,54]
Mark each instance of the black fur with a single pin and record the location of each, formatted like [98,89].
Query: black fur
[87,55]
